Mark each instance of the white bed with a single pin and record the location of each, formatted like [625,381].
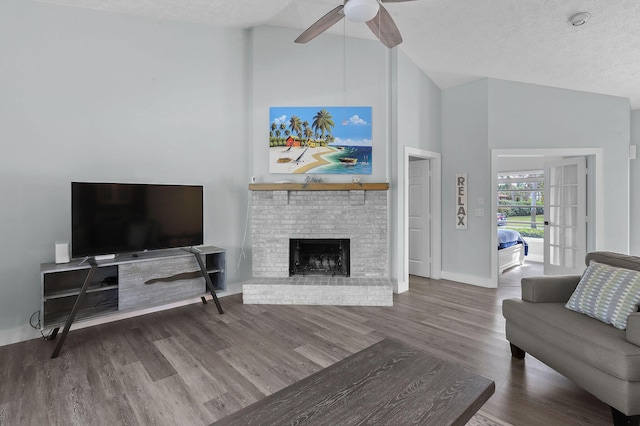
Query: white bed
[512,249]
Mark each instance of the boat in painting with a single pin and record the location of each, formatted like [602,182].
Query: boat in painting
[348,160]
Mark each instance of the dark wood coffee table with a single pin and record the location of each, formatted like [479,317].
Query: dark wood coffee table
[385,384]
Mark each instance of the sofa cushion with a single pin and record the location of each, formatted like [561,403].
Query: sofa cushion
[614,259]
[575,335]
[607,293]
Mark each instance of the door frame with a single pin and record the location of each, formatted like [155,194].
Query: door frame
[595,193]
[435,200]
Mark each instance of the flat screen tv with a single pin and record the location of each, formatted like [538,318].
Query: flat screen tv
[114,218]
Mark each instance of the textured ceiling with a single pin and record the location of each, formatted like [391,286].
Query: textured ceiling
[456,41]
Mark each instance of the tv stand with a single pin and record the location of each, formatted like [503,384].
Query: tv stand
[79,291]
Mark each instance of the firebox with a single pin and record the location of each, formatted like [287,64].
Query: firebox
[319,257]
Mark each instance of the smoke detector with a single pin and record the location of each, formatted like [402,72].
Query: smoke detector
[579,19]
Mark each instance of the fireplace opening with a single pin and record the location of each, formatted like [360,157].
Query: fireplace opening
[319,257]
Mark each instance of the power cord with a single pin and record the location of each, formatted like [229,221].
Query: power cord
[37,325]
[244,238]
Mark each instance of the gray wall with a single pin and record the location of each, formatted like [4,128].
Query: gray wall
[328,71]
[465,141]
[495,114]
[634,229]
[406,103]
[415,119]
[97,96]
[531,116]
[94,96]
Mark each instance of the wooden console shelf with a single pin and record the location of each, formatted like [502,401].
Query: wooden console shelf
[382,186]
[81,290]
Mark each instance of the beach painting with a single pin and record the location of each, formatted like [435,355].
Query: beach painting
[330,140]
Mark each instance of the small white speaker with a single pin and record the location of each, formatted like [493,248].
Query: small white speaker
[62,252]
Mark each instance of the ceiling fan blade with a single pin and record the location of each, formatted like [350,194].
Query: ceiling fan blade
[321,25]
[383,27]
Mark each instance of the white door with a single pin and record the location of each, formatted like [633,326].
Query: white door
[419,219]
[565,231]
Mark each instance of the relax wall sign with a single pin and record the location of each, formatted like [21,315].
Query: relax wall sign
[461,201]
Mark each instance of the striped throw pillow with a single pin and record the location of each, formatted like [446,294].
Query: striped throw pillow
[607,293]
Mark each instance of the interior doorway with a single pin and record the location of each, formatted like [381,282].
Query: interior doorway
[419,217]
[422,205]
[517,157]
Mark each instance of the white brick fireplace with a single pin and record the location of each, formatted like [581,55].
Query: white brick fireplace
[357,212]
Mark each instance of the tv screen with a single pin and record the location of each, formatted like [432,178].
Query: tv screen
[113,218]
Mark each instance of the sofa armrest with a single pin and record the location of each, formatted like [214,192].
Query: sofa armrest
[549,289]
[633,328]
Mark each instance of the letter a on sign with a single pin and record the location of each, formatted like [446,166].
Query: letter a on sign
[461,201]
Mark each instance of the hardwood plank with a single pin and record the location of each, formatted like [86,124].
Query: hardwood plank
[255,350]
[147,405]
[153,361]
[256,370]
[316,355]
[181,404]
[200,382]
[204,351]
[223,405]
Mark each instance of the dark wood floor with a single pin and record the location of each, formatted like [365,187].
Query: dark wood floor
[190,365]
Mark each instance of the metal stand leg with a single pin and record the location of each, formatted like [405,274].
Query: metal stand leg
[204,301]
[53,334]
[205,274]
[75,309]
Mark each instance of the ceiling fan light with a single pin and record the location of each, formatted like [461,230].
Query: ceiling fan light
[361,10]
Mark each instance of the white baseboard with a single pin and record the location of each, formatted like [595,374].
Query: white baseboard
[400,287]
[469,279]
[18,334]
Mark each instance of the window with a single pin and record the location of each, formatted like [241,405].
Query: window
[521,202]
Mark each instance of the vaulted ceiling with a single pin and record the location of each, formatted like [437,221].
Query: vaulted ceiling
[457,41]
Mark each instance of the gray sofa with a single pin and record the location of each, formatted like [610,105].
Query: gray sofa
[601,359]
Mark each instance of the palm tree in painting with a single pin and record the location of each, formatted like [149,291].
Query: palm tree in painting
[308,133]
[323,122]
[305,130]
[295,124]
[281,128]
[272,134]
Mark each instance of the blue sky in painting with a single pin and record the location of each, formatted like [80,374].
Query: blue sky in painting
[353,124]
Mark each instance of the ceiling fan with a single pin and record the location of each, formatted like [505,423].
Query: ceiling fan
[370,11]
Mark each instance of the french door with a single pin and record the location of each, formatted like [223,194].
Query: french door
[565,200]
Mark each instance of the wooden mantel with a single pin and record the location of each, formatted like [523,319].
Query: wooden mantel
[381,186]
